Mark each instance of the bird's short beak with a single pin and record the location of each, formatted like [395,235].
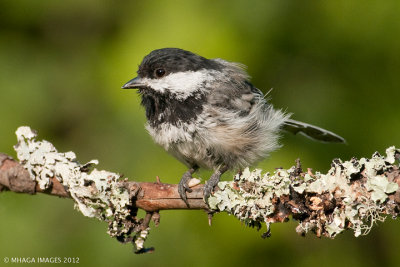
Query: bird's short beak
[134,83]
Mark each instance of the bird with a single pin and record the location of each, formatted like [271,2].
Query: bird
[207,114]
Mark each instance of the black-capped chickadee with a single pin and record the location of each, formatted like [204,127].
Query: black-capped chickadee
[207,114]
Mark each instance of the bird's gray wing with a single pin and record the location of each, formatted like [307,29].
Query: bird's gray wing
[312,131]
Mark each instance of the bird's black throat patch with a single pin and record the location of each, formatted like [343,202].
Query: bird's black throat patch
[166,108]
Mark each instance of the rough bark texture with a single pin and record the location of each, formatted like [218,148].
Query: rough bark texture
[14,177]
[150,197]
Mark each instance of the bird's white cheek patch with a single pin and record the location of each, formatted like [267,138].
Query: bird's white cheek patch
[182,84]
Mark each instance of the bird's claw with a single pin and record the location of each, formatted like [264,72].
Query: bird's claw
[207,191]
[210,185]
[183,186]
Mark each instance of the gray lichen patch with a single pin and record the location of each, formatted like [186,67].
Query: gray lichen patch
[250,197]
[97,193]
[352,195]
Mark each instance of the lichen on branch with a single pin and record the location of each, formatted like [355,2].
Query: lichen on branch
[97,193]
[353,194]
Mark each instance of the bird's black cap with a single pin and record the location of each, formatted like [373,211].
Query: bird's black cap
[174,60]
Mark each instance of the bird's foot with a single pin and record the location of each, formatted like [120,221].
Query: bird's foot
[210,184]
[213,182]
[183,186]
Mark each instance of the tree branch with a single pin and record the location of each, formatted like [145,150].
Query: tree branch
[352,195]
[149,197]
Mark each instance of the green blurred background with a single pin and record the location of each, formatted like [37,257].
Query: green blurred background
[335,64]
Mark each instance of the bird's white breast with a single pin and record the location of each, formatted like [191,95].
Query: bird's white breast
[166,134]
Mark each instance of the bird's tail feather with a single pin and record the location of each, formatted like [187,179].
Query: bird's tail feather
[312,131]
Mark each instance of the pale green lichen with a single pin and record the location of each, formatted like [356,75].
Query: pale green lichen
[141,237]
[337,224]
[380,188]
[249,196]
[252,197]
[97,193]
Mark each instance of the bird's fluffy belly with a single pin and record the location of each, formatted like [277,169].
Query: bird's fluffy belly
[184,142]
[212,144]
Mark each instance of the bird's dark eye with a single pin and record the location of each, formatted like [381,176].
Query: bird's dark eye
[160,72]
